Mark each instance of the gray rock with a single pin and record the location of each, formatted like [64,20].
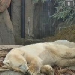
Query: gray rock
[7,47]
[10,73]
[4,4]
[6,29]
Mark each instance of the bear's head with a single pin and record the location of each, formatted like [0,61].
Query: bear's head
[16,62]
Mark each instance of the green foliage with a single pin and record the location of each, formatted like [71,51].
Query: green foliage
[35,1]
[63,12]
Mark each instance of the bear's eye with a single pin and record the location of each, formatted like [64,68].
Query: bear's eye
[19,65]
[7,62]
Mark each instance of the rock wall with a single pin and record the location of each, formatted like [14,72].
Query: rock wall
[4,4]
[10,73]
[16,20]
[6,29]
[29,18]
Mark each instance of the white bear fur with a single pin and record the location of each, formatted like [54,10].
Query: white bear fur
[33,57]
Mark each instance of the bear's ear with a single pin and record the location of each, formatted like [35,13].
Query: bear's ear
[20,66]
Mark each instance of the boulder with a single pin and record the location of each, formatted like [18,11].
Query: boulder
[10,73]
[6,29]
[4,4]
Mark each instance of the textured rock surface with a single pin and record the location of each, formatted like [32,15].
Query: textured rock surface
[7,47]
[6,29]
[10,73]
[4,4]
[16,17]
[16,20]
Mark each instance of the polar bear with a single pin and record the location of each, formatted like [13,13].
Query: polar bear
[65,42]
[31,58]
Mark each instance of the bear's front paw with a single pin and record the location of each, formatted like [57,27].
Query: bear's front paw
[32,73]
[47,70]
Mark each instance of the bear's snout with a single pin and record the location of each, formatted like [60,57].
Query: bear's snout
[27,72]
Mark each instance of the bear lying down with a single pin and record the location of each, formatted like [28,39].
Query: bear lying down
[40,57]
